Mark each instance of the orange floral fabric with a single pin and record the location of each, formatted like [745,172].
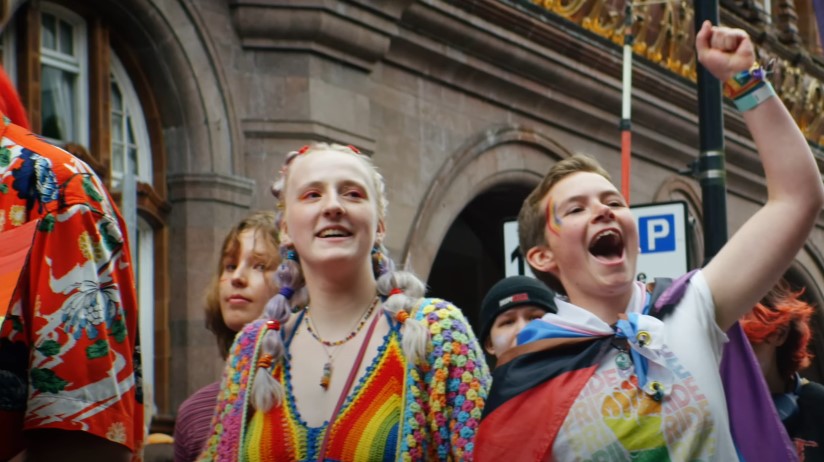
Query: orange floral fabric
[67,342]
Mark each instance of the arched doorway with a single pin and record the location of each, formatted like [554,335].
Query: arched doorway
[471,256]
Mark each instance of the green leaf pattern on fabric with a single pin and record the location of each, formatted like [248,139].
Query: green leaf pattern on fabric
[15,322]
[90,189]
[119,331]
[97,349]
[46,224]
[49,348]
[5,157]
[47,381]
[110,241]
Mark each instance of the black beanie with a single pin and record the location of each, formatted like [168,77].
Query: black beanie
[512,292]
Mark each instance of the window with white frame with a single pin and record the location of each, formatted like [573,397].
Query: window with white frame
[144,277]
[63,86]
[132,163]
[130,137]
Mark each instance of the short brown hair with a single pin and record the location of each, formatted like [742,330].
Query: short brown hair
[262,222]
[532,217]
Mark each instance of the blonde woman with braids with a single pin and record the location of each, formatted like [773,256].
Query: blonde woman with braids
[349,362]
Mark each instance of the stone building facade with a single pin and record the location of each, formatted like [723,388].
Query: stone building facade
[187,107]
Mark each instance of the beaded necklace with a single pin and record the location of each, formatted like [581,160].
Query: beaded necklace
[326,377]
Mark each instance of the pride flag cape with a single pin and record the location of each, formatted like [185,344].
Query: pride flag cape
[14,252]
[535,385]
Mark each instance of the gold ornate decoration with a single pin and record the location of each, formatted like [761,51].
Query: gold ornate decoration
[664,35]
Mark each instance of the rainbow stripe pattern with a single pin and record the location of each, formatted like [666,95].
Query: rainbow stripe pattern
[553,221]
[439,402]
[365,429]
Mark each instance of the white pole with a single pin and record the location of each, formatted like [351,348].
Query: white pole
[626,99]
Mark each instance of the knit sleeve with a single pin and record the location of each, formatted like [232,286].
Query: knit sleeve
[225,434]
[458,380]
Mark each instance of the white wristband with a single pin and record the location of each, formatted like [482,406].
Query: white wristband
[755,97]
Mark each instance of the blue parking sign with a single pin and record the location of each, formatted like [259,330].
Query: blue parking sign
[662,237]
[657,233]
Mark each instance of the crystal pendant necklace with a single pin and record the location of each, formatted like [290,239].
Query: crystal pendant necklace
[326,377]
[327,368]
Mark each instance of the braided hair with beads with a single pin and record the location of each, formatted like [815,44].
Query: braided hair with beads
[400,291]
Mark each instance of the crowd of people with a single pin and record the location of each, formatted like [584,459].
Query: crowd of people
[334,354]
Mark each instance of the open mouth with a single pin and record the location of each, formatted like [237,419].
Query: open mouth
[607,245]
[333,232]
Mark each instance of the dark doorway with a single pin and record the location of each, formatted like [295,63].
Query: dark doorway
[470,259]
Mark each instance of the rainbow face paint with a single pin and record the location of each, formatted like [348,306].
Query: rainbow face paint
[553,220]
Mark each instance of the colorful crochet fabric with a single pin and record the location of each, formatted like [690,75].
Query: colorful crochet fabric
[440,407]
[366,429]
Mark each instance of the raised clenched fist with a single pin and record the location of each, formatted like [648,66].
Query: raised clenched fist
[723,51]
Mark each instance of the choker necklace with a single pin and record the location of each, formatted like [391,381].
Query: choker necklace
[326,377]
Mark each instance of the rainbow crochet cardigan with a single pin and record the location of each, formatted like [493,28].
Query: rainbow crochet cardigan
[442,404]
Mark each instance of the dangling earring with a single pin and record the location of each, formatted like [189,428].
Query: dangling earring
[288,253]
[378,261]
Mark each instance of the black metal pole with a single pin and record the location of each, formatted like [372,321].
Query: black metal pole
[711,173]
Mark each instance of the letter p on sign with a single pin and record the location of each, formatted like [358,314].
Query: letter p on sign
[657,233]
[662,237]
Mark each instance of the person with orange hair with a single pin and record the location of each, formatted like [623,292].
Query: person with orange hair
[69,380]
[779,330]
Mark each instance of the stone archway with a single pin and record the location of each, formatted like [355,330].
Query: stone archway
[169,52]
[170,46]
[458,226]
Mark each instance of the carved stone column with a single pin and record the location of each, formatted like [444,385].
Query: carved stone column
[206,206]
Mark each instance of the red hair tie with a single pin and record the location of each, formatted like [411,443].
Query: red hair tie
[395,291]
[303,149]
[354,149]
[273,324]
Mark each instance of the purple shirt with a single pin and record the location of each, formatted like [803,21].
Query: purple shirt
[194,418]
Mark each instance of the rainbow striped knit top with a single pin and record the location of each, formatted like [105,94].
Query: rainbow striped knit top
[439,402]
[365,429]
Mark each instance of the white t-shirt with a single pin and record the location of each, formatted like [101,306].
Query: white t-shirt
[612,420]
